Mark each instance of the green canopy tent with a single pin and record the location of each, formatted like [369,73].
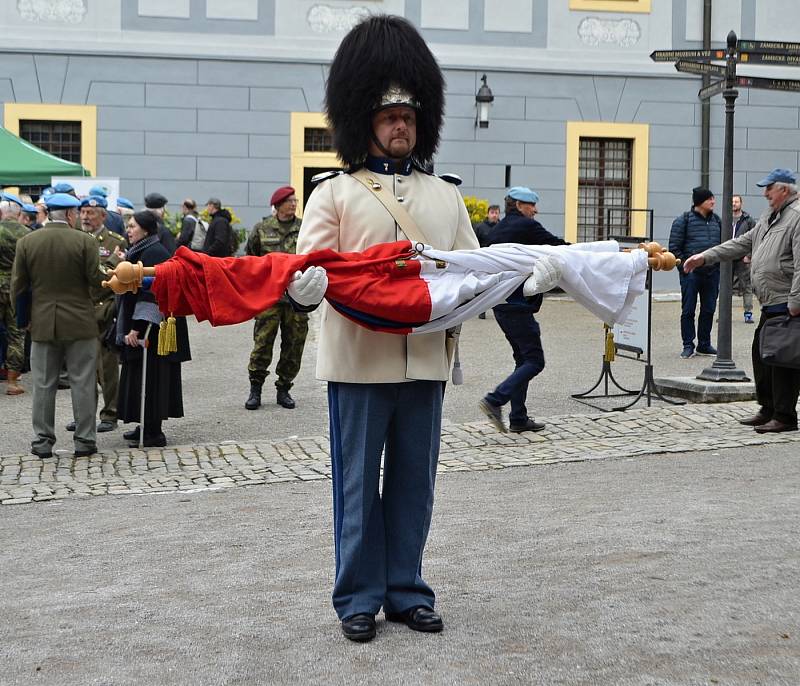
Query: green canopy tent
[23,164]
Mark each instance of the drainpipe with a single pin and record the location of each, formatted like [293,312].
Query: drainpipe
[705,107]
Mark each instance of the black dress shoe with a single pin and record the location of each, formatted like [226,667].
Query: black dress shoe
[131,435]
[773,426]
[70,426]
[157,441]
[529,425]
[359,627]
[285,400]
[43,454]
[418,618]
[756,420]
[106,425]
[85,452]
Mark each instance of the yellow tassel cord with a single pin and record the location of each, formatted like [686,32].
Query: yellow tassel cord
[610,351]
[167,336]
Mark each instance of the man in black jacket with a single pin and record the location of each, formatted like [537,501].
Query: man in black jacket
[515,316]
[693,232]
[219,237]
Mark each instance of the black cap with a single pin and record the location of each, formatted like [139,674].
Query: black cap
[154,201]
[700,195]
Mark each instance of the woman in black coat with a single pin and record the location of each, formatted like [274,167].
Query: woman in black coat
[135,312]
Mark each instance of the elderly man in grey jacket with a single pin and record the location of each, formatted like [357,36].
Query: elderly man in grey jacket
[774,244]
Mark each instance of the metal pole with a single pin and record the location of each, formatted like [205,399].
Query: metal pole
[705,107]
[724,368]
[145,345]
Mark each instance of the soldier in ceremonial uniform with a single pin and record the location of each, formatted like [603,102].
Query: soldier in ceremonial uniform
[93,216]
[385,102]
[59,266]
[277,233]
[11,230]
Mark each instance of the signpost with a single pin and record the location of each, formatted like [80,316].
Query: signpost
[700,68]
[711,90]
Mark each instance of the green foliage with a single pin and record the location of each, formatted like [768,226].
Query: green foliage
[478,208]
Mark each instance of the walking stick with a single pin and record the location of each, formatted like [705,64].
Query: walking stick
[145,345]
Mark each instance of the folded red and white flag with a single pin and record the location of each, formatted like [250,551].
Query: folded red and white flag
[394,288]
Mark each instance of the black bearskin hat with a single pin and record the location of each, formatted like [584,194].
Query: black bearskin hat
[380,54]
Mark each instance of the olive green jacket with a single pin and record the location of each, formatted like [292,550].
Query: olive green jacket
[59,265]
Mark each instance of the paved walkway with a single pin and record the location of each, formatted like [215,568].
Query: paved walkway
[465,447]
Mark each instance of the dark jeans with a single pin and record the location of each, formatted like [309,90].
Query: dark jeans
[523,333]
[777,388]
[702,283]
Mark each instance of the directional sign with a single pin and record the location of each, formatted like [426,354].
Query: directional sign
[769,47]
[710,91]
[769,58]
[769,84]
[700,68]
[672,55]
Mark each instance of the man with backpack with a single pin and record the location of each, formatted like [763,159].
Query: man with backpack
[193,229]
[693,232]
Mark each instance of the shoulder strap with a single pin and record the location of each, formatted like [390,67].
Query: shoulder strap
[403,219]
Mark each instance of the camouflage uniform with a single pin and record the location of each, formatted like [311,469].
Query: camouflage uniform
[271,235]
[10,232]
[104,312]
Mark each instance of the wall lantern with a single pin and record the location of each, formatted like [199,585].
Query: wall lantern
[483,98]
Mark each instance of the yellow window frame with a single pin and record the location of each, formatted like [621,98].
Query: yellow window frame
[14,112]
[300,159]
[641,6]
[640,135]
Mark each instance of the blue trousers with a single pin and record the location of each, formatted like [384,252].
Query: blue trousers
[380,534]
[702,283]
[523,333]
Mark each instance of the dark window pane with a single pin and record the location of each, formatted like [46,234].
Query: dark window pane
[604,187]
[317,140]
[59,138]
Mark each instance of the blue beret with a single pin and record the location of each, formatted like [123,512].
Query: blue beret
[778,176]
[47,191]
[94,201]
[99,190]
[12,198]
[63,188]
[27,208]
[523,194]
[124,202]
[61,201]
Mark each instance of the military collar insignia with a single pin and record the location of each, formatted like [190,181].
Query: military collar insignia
[384,165]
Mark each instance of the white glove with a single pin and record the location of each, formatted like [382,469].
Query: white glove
[308,287]
[546,275]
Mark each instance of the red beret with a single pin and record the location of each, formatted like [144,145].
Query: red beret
[280,195]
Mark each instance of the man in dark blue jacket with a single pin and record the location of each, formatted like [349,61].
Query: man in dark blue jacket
[693,232]
[515,316]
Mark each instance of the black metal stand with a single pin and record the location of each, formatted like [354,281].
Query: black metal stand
[648,385]
[606,375]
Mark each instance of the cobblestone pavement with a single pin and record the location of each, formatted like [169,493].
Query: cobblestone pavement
[465,447]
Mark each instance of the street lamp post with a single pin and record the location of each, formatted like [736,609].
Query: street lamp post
[724,368]
[483,99]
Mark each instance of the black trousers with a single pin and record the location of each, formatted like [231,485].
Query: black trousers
[777,388]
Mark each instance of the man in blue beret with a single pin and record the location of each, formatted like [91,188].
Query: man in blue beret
[64,188]
[774,246]
[11,231]
[516,315]
[93,216]
[113,219]
[60,265]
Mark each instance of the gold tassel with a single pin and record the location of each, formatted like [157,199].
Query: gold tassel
[167,336]
[610,351]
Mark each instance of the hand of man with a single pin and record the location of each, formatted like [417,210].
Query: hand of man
[308,287]
[693,263]
[746,259]
[132,339]
[546,274]
[794,311]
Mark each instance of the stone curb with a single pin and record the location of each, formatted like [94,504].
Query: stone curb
[465,447]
